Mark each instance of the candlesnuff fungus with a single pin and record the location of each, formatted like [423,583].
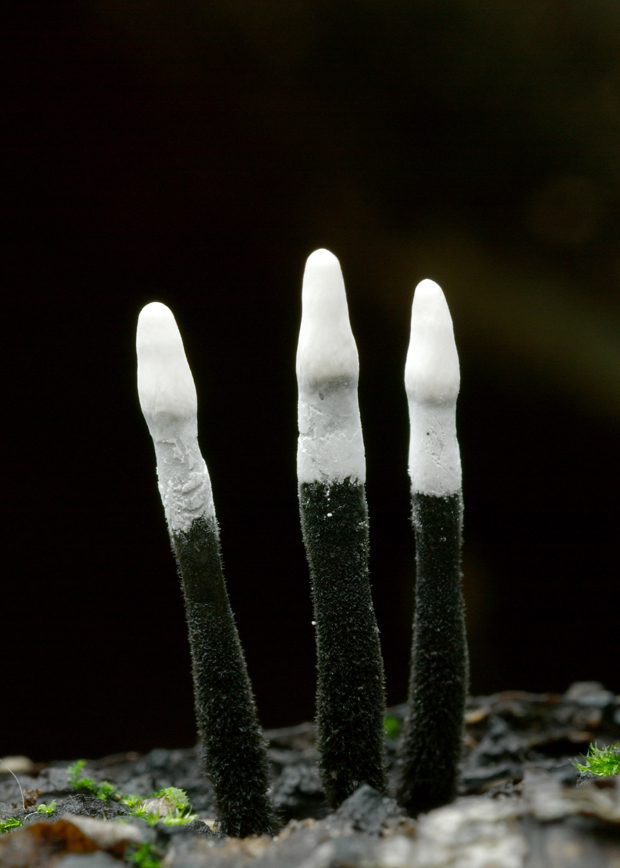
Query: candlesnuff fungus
[331,472]
[234,754]
[432,736]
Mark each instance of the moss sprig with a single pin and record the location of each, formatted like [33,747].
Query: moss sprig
[169,806]
[392,726]
[144,856]
[104,790]
[9,824]
[601,761]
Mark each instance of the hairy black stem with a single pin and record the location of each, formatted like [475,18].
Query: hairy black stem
[234,751]
[350,690]
[433,733]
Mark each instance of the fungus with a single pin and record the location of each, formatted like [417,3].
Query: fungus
[432,735]
[234,753]
[331,472]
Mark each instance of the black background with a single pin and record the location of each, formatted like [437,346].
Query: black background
[196,153]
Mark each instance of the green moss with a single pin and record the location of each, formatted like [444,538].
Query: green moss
[392,726]
[9,825]
[173,800]
[144,856]
[132,801]
[601,761]
[174,796]
[103,790]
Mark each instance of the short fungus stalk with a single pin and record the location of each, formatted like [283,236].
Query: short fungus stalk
[432,736]
[234,755]
[331,473]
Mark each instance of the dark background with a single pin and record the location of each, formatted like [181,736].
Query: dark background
[196,153]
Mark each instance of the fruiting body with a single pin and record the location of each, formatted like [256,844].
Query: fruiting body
[234,753]
[334,518]
[432,736]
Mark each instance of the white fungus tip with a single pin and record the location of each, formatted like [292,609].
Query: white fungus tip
[432,373]
[322,258]
[432,378]
[331,446]
[326,348]
[165,384]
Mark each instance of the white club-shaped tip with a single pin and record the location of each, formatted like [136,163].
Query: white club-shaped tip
[326,348]
[165,384]
[432,374]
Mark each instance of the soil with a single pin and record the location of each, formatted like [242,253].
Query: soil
[522,802]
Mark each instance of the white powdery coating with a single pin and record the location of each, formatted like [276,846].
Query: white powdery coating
[432,373]
[434,457]
[165,383]
[432,380]
[331,446]
[168,400]
[326,348]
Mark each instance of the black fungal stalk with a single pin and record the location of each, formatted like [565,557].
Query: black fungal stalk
[334,520]
[234,751]
[350,693]
[432,739]
[433,733]
[233,746]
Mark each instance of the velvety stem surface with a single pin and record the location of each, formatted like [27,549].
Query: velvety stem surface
[350,691]
[433,733]
[234,751]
